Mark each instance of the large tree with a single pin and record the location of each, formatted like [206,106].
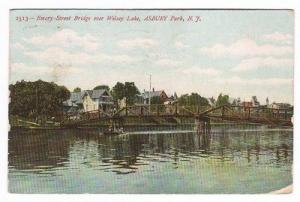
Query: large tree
[37,99]
[192,100]
[222,100]
[131,91]
[99,87]
[127,90]
[118,92]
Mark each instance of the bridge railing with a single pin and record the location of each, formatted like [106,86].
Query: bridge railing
[262,114]
[146,110]
[257,112]
[160,110]
[85,116]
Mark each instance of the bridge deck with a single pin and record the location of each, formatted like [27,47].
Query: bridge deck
[259,115]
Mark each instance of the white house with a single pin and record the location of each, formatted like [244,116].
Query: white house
[89,100]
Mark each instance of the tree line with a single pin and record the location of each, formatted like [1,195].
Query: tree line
[45,99]
[38,99]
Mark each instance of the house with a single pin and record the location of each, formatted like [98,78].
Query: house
[282,109]
[171,99]
[275,105]
[247,104]
[89,100]
[74,103]
[161,94]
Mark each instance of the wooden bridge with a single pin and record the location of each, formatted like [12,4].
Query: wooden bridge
[239,114]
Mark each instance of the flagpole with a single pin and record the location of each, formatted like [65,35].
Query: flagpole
[149,95]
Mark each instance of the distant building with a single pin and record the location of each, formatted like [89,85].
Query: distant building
[236,102]
[267,102]
[150,94]
[171,99]
[89,100]
[275,105]
[247,104]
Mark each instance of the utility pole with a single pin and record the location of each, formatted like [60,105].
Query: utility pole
[36,104]
[149,96]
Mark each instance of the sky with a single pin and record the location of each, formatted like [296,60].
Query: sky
[241,53]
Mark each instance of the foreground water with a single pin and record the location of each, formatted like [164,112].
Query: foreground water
[231,159]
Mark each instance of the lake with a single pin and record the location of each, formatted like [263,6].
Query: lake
[231,159]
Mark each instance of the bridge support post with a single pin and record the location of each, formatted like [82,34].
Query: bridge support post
[285,114]
[223,111]
[115,125]
[202,126]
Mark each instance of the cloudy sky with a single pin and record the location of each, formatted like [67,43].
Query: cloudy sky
[240,53]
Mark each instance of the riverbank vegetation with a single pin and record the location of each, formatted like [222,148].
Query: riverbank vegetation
[40,102]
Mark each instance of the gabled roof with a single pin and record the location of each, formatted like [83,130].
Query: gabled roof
[152,93]
[98,93]
[76,97]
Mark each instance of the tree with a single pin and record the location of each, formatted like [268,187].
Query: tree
[102,87]
[77,90]
[192,100]
[234,102]
[131,91]
[118,92]
[222,100]
[37,99]
[127,90]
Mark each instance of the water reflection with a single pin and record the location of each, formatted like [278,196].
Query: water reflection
[49,151]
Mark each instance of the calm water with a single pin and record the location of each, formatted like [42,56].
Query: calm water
[231,160]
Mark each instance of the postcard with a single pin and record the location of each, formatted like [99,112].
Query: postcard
[151,101]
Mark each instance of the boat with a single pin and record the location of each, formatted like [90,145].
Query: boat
[111,133]
[114,131]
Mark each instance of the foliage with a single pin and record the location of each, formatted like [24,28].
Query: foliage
[127,90]
[222,100]
[102,87]
[193,99]
[118,92]
[37,99]
[77,90]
